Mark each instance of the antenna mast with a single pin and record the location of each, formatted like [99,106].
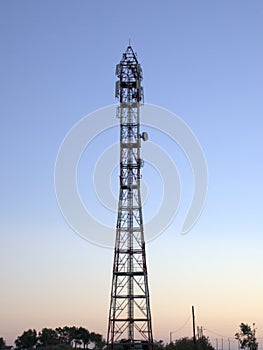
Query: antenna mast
[129,323]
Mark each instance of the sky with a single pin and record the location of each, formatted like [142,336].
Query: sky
[201,60]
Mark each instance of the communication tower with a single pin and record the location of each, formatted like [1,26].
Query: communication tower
[129,324]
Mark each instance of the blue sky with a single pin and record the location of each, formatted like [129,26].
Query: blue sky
[203,61]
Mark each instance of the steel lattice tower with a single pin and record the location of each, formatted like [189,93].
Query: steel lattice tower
[130,317]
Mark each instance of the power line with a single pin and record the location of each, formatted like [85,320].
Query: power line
[181,327]
[219,335]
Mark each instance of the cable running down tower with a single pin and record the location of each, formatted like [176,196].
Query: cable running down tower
[129,321]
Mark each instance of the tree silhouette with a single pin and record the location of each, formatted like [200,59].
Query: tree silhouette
[47,337]
[27,340]
[63,335]
[58,339]
[2,343]
[84,336]
[247,337]
[186,343]
[96,339]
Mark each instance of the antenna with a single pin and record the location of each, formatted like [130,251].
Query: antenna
[129,324]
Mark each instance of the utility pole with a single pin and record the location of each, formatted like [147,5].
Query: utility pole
[193,316]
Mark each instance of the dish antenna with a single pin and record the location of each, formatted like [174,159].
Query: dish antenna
[144,136]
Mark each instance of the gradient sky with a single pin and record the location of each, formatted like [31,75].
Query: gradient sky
[201,60]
